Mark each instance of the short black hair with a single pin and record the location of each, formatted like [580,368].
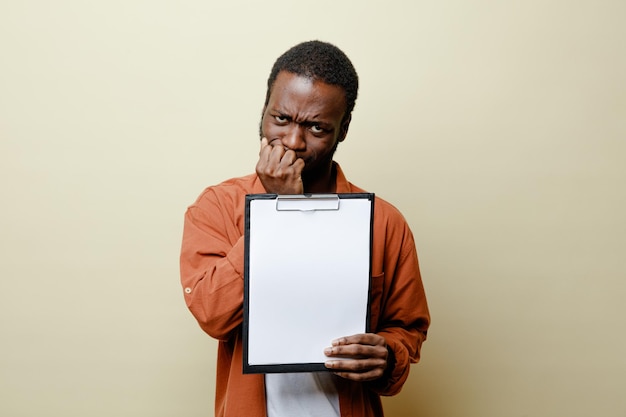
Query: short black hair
[319,61]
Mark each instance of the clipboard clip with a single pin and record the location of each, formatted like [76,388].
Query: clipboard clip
[307,202]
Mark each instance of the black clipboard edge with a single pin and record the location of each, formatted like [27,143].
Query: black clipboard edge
[282,368]
[296,367]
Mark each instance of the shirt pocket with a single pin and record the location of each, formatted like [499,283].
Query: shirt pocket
[376,297]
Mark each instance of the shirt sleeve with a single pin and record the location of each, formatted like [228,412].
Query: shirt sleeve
[211,266]
[405,317]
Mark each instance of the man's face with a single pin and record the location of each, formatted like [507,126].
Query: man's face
[305,116]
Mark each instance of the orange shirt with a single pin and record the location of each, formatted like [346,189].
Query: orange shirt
[212,264]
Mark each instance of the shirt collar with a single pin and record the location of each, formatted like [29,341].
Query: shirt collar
[342,184]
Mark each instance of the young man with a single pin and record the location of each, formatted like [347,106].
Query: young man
[311,92]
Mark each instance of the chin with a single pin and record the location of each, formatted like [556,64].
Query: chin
[311,171]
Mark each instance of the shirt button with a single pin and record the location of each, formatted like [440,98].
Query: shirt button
[188,290]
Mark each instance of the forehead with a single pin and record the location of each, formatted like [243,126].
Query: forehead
[297,94]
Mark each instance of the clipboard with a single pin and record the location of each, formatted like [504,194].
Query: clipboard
[307,275]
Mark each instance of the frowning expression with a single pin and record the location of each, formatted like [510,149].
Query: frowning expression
[306,116]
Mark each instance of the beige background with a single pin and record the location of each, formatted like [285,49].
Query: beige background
[498,128]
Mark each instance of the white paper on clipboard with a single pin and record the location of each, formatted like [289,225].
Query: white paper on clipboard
[307,277]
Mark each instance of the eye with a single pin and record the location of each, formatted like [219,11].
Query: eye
[316,129]
[281,119]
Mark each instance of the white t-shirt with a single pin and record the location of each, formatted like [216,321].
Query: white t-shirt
[301,394]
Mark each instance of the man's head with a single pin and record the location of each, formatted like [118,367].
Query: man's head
[319,61]
[311,92]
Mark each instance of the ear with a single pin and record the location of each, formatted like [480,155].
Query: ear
[344,128]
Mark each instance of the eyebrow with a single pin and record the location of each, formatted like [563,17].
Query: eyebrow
[321,122]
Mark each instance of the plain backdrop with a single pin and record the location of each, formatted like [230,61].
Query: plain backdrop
[497,127]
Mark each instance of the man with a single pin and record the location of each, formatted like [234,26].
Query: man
[311,92]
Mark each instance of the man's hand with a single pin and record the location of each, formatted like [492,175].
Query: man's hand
[361,357]
[279,170]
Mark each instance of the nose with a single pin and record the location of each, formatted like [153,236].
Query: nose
[294,138]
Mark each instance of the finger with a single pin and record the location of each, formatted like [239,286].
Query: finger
[357,351]
[357,370]
[356,365]
[298,166]
[288,158]
[277,157]
[271,155]
[361,338]
[264,144]
[266,151]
